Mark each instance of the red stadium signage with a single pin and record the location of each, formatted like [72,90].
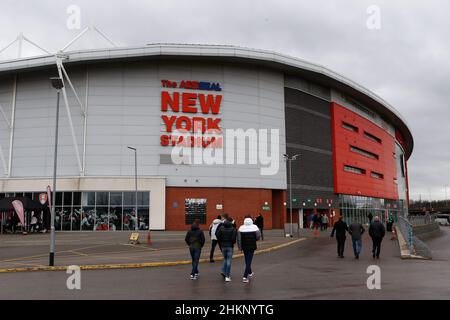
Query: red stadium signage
[190,112]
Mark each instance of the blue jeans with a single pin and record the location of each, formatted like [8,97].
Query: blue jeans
[195,255]
[357,247]
[248,255]
[340,246]
[227,257]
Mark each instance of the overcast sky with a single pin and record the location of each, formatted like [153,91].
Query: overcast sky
[406,61]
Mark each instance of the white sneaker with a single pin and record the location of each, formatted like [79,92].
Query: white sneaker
[251,275]
[192,277]
[245,280]
[227,279]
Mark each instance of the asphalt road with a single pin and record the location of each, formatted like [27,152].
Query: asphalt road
[98,248]
[307,270]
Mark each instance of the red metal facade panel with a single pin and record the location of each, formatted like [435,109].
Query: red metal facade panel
[343,138]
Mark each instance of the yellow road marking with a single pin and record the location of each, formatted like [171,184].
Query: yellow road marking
[140,265]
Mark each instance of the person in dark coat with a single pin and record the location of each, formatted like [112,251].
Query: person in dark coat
[340,228]
[247,236]
[356,230]
[195,239]
[259,222]
[376,232]
[226,236]
[316,221]
[225,217]
[370,216]
[389,223]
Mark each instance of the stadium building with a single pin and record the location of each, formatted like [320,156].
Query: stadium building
[352,145]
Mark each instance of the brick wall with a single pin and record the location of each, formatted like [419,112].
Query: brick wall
[237,202]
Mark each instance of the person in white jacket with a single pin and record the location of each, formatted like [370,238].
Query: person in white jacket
[212,233]
[247,236]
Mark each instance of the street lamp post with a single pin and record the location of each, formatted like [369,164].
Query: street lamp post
[289,162]
[136,227]
[58,84]
[446,200]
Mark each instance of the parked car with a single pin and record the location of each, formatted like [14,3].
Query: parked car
[443,219]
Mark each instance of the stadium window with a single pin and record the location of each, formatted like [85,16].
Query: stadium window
[402,165]
[377,175]
[372,137]
[364,152]
[348,126]
[354,170]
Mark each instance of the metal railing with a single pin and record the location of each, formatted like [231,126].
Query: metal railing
[421,219]
[415,245]
[406,229]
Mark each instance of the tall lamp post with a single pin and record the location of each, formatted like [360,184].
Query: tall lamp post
[289,160]
[58,84]
[136,227]
[446,200]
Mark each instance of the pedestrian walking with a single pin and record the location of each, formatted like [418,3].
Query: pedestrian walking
[370,216]
[376,232]
[389,223]
[34,222]
[195,239]
[247,236]
[340,228]
[325,221]
[225,217]
[226,236]
[356,230]
[311,221]
[259,222]
[212,233]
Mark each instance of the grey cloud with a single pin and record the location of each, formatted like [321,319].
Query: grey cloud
[406,62]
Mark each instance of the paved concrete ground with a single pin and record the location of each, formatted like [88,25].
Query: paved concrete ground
[306,270]
[89,248]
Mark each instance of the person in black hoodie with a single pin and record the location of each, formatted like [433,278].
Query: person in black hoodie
[340,227]
[377,232]
[226,236]
[195,239]
[248,234]
[259,222]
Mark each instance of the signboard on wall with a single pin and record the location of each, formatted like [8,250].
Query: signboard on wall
[195,209]
[43,198]
[187,111]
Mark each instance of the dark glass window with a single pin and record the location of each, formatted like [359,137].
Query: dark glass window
[58,198]
[116,199]
[371,137]
[354,170]
[350,127]
[364,152]
[102,199]
[129,199]
[90,196]
[143,215]
[402,165]
[143,198]
[377,175]
[67,199]
[77,198]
